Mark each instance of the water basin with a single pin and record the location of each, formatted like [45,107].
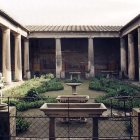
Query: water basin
[73,98]
[73,109]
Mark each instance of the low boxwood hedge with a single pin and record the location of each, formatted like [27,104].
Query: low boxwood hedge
[115,88]
[41,85]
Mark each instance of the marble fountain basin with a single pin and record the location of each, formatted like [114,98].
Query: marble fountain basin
[73,109]
[73,84]
[3,106]
[72,98]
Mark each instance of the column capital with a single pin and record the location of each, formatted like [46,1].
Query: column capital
[130,35]
[90,37]
[17,35]
[4,29]
[26,39]
[57,37]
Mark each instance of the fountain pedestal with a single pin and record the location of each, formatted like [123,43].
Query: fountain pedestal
[73,86]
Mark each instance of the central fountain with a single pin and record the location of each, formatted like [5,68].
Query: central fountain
[73,107]
[74,98]
[73,110]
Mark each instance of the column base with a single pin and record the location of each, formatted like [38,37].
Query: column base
[7,77]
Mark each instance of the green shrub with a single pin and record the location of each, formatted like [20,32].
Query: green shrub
[41,85]
[114,88]
[74,80]
[11,102]
[21,125]
[32,95]
[22,105]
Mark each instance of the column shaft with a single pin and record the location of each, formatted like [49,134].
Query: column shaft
[123,56]
[131,57]
[26,60]
[6,56]
[139,50]
[91,66]
[58,58]
[18,59]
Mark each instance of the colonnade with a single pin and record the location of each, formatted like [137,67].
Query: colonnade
[130,70]
[91,67]
[6,56]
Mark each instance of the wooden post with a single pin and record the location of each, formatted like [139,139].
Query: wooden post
[52,129]
[95,128]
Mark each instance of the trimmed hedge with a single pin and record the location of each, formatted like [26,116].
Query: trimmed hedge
[41,85]
[22,105]
[115,88]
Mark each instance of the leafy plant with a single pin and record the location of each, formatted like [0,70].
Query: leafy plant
[74,80]
[114,88]
[41,85]
[21,125]
[32,95]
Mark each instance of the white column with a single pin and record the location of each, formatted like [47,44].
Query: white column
[26,60]
[123,55]
[131,57]
[91,66]
[6,56]
[139,50]
[18,58]
[58,58]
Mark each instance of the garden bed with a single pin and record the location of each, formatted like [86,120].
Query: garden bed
[115,88]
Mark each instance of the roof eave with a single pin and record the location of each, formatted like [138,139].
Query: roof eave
[9,18]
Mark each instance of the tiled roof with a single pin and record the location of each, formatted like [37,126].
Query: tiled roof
[72,28]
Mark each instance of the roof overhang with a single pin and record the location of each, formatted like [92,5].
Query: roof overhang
[74,34]
[8,22]
[130,26]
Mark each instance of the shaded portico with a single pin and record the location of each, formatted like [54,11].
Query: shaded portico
[11,35]
[130,49]
[66,52]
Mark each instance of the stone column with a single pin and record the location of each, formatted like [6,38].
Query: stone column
[91,66]
[18,58]
[6,56]
[58,58]
[26,60]
[131,57]
[139,50]
[123,56]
